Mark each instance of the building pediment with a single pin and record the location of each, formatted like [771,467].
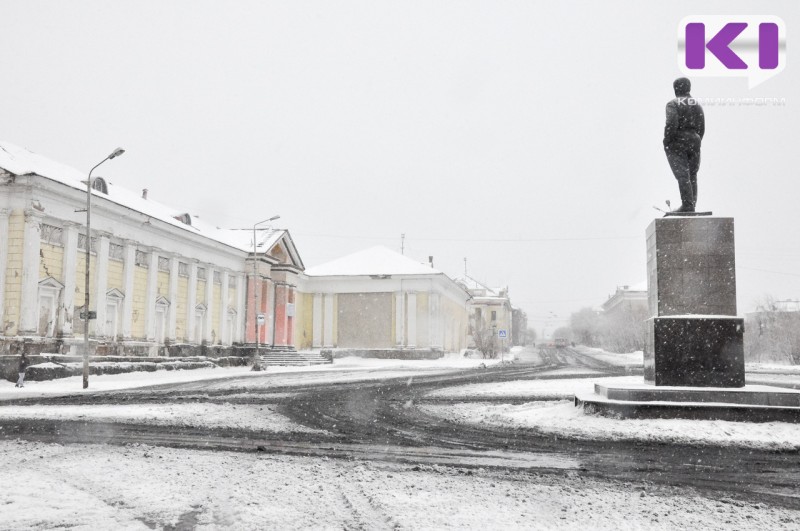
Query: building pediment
[283,250]
[114,293]
[51,283]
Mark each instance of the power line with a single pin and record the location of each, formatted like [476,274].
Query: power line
[497,240]
[769,271]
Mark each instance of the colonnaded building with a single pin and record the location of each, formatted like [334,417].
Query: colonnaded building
[164,283]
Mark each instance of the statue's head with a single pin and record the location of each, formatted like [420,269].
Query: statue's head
[682,86]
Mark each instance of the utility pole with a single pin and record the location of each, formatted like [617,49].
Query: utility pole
[403,243]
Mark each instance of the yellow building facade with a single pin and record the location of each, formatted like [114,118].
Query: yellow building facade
[160,281]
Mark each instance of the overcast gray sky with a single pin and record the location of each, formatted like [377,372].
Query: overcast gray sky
[525,136]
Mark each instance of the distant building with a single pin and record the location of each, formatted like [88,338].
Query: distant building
[490,314]
[161,281]
[379,300]
[632,299]
[622,322]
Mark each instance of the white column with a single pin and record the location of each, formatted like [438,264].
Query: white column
[3,263]
[316,322]
[209,304]
[269,326]
[241,308]
[150,296]
[172,324]
[31,247]
[101,283]
[191,301]
[399,323]
[435,320]
[223,308]
[327,334]
[412,319]
[69,272]
[128,266]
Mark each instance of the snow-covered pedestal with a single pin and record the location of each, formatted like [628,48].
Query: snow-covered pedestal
[694,337]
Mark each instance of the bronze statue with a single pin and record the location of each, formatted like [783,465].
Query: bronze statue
[683,134]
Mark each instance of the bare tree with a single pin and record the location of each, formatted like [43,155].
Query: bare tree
[585,324]
[485,340]
[772,333]
[624,331]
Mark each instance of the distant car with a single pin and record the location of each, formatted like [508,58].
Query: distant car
[560,342]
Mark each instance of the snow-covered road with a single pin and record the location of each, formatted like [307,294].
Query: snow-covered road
[373,445]
[47,486]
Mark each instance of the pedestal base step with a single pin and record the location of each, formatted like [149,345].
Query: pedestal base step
[752,403]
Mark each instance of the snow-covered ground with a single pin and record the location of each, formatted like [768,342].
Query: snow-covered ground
[563,419]
[236,416]
[772,368]
[551,411]
[549,389]
[47,486]
[345,369]
[632,359]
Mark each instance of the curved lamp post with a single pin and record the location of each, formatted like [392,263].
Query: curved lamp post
[116,153]
[256,291]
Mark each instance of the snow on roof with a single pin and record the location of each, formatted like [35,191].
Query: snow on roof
[476,286]
[377,260]
[20,161]
[641,286]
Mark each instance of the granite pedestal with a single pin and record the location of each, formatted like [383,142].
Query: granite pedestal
[694,337]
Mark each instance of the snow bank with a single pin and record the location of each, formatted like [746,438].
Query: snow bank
[534,389]
[563,419]
[245,417]
[632,359]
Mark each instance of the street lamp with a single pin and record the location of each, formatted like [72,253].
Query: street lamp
[116,153]
[256,291]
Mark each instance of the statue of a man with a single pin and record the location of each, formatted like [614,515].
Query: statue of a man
[682,137]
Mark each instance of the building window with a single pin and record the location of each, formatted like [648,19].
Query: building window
[163,263]
[99,184]
[114,299]
[51,234]
[477,314]
[186,219]
[49,293]
[494,315]
[183,269]
[162,307]
[116,251]
[199,323]
[141,259]
[201,273]
[231,283]
[217,277]
[231,326]
[82,243]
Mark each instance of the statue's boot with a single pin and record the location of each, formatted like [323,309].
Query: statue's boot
[687,196]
